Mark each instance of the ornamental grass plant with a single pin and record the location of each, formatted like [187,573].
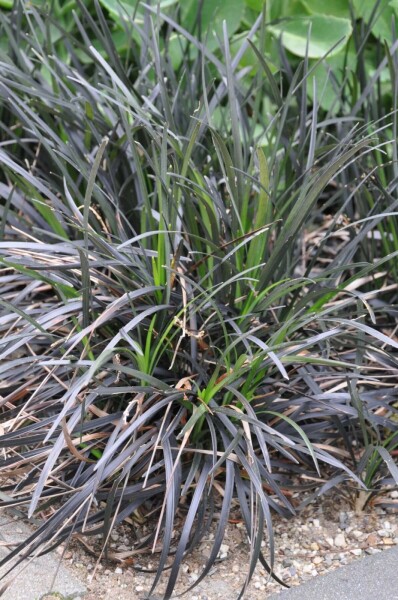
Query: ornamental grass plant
[198,286]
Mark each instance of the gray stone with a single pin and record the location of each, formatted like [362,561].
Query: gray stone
[44,578]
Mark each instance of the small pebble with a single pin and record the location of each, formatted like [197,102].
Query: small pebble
[339,540]
[118,571]
[372,539]
[388,542]
[356,534]
[383,533]
[287,562]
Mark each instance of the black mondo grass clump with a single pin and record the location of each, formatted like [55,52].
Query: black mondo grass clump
[199,299]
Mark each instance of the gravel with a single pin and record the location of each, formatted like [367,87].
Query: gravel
[321,539]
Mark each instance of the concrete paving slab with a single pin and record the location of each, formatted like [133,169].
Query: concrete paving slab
[45,577]
[375,576]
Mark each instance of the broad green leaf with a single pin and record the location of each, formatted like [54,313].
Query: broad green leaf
[213,13]
[255,4]
[124,10]
[120,39]
[382,23]
[120,10]
[337,8]
[178,46]
[280,9]
[329,76]
[323,32]
[249,58]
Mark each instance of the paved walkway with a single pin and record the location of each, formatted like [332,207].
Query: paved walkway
[43,575]
[374,577]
